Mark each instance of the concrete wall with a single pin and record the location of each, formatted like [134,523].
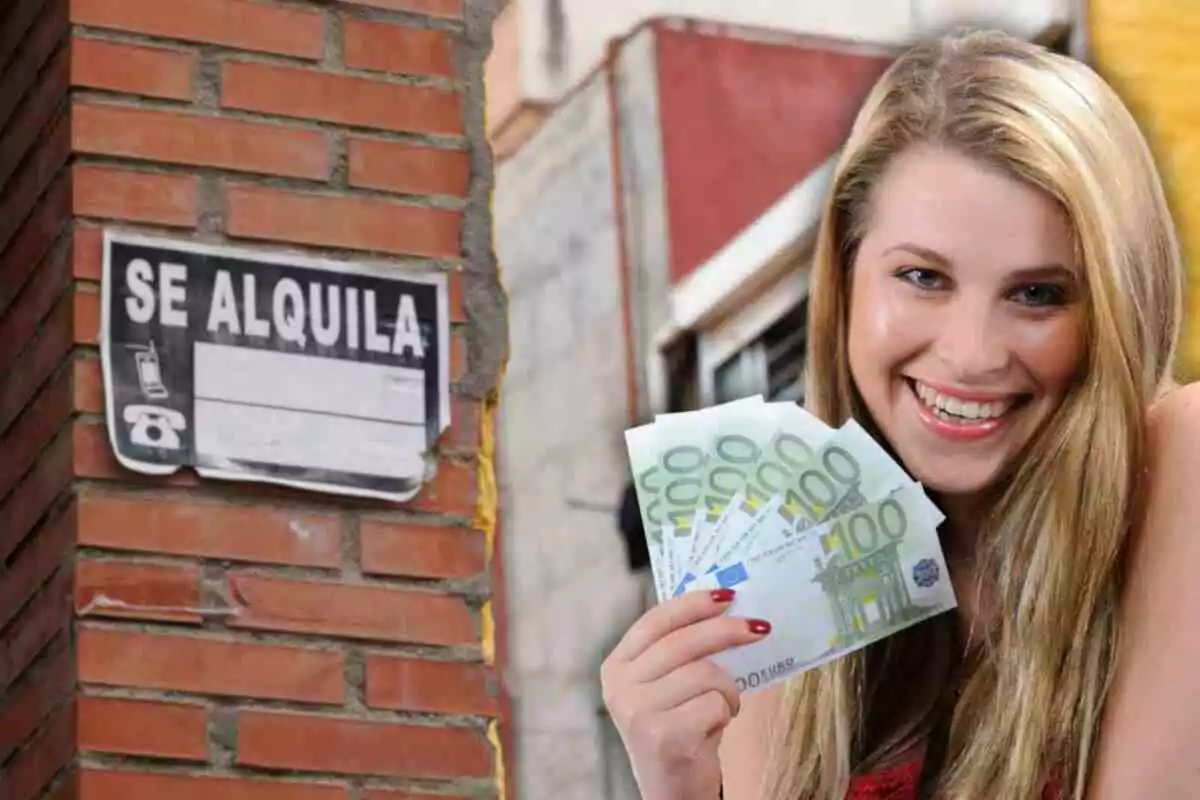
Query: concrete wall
[562,458]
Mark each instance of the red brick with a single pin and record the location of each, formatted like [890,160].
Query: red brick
[458,355]
[85,317]
[254,533]
[100,784]
[37,234]
[360,612]
[34,430]
[384,47]
[449,9]
[345,99]
[408,168]
[127,590]
[420,551]
[48,613]
[133,68]
[453,491]
[39,358]
[257,212]
[49,548]
[30,182]
[37,43]
[326,744]
[31,499]
[196,140]
[41,104]
[47,285]
[135,196]
[87,387]
[437,687]
[87,253]
[187,663]
[143,728]
[466,425]
[28,703]
[232,23]
[65,786]
[454,291]
[34,767]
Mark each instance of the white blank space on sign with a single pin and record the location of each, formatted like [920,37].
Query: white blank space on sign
[309,383]
[311,440]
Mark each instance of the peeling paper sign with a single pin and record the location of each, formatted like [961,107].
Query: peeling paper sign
[273,367]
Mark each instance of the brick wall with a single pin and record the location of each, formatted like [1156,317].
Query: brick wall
[199,639]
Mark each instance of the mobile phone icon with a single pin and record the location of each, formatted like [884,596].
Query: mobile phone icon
[149,372]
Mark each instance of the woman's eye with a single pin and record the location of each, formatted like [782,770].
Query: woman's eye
[1041,294]
[922,278]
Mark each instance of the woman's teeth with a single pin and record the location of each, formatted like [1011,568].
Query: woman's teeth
[953,409]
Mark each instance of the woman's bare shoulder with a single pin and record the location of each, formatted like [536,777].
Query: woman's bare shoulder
[746,743]
[1172,469]
[1150,740]
[1179,407]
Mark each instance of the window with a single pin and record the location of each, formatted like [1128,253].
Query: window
[771,365]
[759,348]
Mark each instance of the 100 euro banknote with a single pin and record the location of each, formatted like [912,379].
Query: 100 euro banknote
[837,587]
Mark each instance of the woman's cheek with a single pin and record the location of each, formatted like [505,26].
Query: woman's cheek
[886,323]
[1051,349]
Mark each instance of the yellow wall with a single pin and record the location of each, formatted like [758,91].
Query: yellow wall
[1150,51]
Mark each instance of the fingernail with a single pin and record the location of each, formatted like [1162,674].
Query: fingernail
[721,595]
[760,627]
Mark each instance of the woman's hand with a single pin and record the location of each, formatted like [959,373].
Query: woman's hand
[669,701]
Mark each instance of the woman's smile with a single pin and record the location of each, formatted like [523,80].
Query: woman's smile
[959,415]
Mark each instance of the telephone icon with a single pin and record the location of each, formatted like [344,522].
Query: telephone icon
[155,426]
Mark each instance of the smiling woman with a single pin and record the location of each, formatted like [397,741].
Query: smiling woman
[996,296]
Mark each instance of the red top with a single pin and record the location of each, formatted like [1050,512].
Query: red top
[900,783]
[895,783]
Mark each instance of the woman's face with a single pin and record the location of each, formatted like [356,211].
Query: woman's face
[965,316]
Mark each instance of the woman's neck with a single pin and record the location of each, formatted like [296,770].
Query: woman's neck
[960,544]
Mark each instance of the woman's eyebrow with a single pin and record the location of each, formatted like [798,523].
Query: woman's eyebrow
[1044,272]
[1035,272]
[920,252]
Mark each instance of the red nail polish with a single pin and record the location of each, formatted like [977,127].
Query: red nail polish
[760,627]
[721,595]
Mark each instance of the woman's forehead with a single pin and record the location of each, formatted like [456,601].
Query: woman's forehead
[964,210]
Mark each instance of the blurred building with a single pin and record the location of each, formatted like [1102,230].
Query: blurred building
[661,169]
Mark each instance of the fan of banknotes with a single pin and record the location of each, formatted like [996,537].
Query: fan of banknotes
[817,530]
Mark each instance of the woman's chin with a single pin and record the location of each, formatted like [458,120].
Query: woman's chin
[956,482]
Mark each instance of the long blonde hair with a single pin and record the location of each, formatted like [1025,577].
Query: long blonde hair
[1051,551]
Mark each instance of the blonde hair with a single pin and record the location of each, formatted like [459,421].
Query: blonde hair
[1051,550]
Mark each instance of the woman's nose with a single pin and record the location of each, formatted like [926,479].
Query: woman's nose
[971,340]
